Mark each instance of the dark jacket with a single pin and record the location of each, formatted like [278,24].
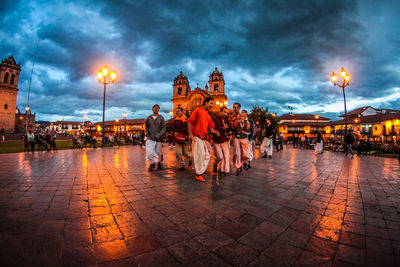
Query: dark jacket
[218,126]
[349,139]
[251,130]
[270,131]
[180,126]
[319,137]
[155,128]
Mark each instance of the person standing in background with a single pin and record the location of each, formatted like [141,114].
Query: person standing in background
[267,143]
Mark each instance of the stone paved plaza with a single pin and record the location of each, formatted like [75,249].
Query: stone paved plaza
[100,207]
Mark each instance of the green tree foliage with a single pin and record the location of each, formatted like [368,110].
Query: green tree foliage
[259,116]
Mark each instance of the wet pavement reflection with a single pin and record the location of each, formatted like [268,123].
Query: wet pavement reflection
[102,207]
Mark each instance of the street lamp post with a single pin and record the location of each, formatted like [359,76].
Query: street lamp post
[26,118]
[346,82]
[85,117]
[171,113]
[102,76]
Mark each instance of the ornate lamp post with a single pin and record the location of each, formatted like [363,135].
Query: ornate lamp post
[85,117]
[346,82]
[125,115]
[356,120]
[102,76]
[26,118]
[171,113]
[317,117]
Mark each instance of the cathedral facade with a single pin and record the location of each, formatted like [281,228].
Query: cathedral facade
[9,75]
[11,119]
[189,100]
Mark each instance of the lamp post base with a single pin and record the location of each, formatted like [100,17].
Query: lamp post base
[103,139]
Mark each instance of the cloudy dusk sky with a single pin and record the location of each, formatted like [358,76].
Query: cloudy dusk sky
[272,53]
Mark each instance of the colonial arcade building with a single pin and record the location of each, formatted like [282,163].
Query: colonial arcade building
[294,125]
[188,99]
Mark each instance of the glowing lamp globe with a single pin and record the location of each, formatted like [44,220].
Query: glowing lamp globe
[113,75]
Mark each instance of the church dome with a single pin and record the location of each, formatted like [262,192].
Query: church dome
[181,79]
[10,62]
[181,76]
[216,71]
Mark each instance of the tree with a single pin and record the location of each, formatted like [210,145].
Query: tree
[259,116]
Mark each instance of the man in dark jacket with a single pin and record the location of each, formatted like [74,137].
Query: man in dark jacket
[319,143]
[183,148]
[349,140]
[267,143]
[155,128]
[220,143]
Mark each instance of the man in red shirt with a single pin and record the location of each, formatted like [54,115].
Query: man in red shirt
[199,126]
[220,143]
[240,142]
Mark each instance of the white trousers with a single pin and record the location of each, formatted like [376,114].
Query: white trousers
[221,152]
[201,150]
[241,149]
[153,151]
[318,147]
[266,146]
[251,152]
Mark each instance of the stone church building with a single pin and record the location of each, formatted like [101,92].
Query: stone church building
[189,99]
[10,116]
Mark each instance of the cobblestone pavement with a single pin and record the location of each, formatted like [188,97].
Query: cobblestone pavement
[102,207]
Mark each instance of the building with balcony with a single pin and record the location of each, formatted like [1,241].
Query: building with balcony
[294,125]
[122,126]
[368,122]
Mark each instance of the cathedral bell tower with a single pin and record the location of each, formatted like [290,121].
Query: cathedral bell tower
[181,86]
[9,76]
[217,83]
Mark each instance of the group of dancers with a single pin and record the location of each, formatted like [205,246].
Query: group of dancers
[195,138]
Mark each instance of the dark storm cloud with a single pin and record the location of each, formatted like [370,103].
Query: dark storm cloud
[272,53]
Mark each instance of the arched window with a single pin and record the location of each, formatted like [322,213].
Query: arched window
[216,88]
[6,77]
[179,90]
[5,106]
[12,78]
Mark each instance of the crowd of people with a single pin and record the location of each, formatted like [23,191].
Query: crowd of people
[116,139]
[43,140]
[228,134]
